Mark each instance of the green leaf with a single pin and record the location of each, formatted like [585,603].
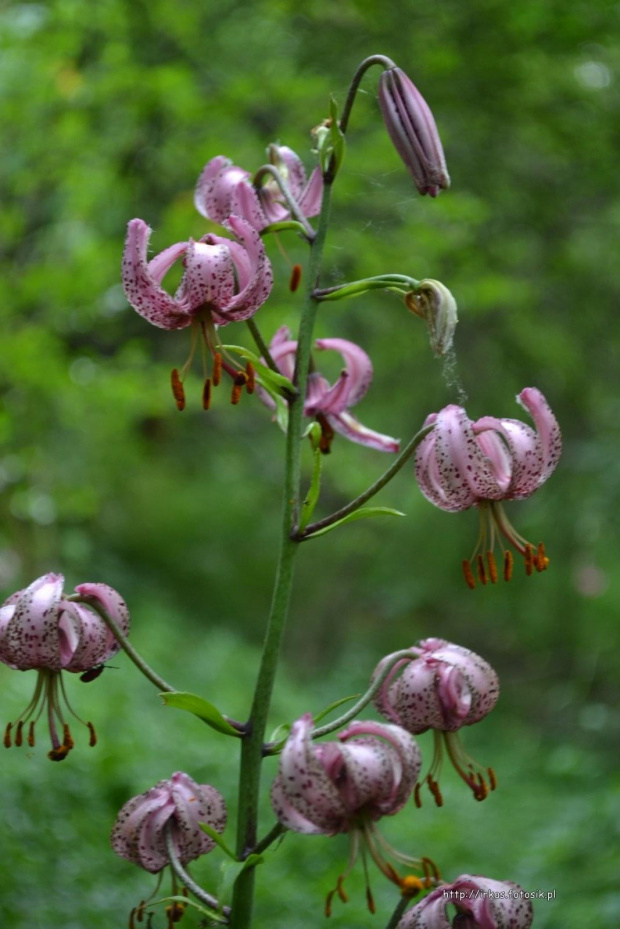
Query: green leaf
[201,708]
[337,137]
[284,226]
[217,838]
[268,378]
[335,705]
[212,915]
[314,490]
[363,513]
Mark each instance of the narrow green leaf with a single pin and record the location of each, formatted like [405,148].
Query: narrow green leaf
[217,838]
[337,137]
[211,915]
[267,377]
[314,490]
[363,513]
[201,708]
[283,227]
[334,706]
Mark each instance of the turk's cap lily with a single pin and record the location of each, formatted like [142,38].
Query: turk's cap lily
[224,189]
[480,903]
[444,688]
[225,279]
[41,628]
[331,402]
[178,804]
[326,787]
[411,127]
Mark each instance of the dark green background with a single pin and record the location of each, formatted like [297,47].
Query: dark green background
[109,111]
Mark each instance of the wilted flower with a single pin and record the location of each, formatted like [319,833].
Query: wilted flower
[434,303]
[224,189]
[480,903]
[461,463]
[225,280]
[443,688]
[329,403]
[412,129]
[42,630]
[345,786]
[171,810]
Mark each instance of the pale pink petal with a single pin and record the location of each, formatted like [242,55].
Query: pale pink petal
[245,202]
[464,472]
[310,200]
[83,637]
[194,804]
[255,292]
[288,815]
[481,679]
[215,187]
[348,426]
[30,638]
[321,398]
[428,476]
[141,285]
[494,448]
[527,458]
[547,428]
[209,280]
[137,835]
[292,168]
[430,913]
[283,352]
[358,367]
[114,605]
[400,756]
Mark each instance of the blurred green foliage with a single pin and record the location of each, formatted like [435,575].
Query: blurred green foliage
[109,111]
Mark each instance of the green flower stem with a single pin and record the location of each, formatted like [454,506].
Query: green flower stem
[286,193]
[186,879]
[403,903]
[385,478]
[252,744]
[262,346]
[355,83]
[399,282]
[124,643]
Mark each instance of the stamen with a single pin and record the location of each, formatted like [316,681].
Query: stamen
[328,903]
[434,789]
[93,735]
[370,901]
[18,734]
[481,792]
[206,394]
[431,868]
[340,889]
[178,391]
[416,796]
[31,735]
[410,885]
[67,737]
[492,567]
[7,735]
[58,754]
[482,574]
[468,574]
[492,778]
[508,565]
[542,562]
[327,434]
[295,278]
[240,382]
[250,384]
[140,910]
[132,924]
[217,369]
[529,558]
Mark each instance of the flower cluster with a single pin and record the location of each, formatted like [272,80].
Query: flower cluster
[42,630]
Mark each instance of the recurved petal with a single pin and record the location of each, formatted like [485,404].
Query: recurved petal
[350,427]
[194,804]
[464,473]
[141,279]
[209,279]
[310,200]
[399,752]
[305,782]
[245,202]
[415,699]
[430,913]
[481,679]
[291,166]
[112,602]
[255,292]
[83,637]
[138,832]
[215,186]
[358,368]
[547,427]
[30,638]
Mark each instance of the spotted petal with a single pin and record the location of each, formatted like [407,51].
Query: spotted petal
[30,637]
[350,427]
[141,279]
[115,606]
[215,187]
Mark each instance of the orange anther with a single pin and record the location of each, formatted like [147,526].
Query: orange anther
[206,394]
[31,734]
[417,799]
[508,564]
[67,737]
[18,733]
[178,391]
[492,778]
[411,885]
[58,754]
[239,384]
[468,574]
[7,735]
[492,567]
[93,735]
[542,562]
[328,903]
[250,384]
[340,889]
[370,901]
[529,559]
[482,574]
[217,369]
[295,278]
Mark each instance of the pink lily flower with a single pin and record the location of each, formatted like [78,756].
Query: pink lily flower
[444,688]
[411,127]
[40,629]
[329,403]
[225,280]
[345,786]
[462,463]
[224,189]
[173,810]
[480,903]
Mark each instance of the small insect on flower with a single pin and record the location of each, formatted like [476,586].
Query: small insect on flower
[41,629]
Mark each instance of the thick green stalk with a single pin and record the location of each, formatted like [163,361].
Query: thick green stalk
[252,745]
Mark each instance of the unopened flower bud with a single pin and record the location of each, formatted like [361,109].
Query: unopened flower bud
[435,304]
[411,127]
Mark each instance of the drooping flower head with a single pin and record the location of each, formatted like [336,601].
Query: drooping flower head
[441,687]
[462,463]
[225,280]
[345,787]
[329,403]
[224,189]
[170,812]
[478,902]
[42,630]
[412,129]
